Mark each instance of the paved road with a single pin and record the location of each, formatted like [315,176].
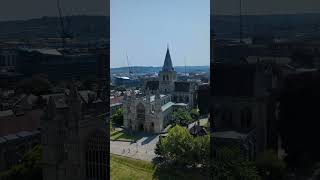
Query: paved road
[143,149]
[203,121]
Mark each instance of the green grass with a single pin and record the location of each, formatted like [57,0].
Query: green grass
[122,136]
[123,168]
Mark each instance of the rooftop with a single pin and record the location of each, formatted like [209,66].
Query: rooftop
[167,106]
[167,66]
[153,97]
[236,80]
[6,113]
[229,135]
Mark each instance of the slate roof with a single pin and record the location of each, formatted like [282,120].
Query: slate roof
[198,130]
[167,66]
[236,80]
[21,134]
[229,135]
[60,99]
[181,86]
[167,106]
[6,113]
[153,97]
[152,85]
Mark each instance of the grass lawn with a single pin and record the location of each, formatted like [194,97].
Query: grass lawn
[121,136]
[123,168]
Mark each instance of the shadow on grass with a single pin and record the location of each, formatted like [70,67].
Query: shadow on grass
[123,136]
[175,173]
[115,133]
[172,172]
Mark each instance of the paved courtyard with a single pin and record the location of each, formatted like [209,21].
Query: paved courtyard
[143,149]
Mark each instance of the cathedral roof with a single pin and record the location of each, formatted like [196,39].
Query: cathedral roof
[167,66]
[153,97]
[152,85]
[181,86]
[233,80]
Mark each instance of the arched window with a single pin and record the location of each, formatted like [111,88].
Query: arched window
[152,127]
[96,156]
[246,118]
[187,99]
[227,119]
[140,112]
[164,77]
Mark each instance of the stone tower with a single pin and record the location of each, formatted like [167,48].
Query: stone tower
[74,137]
[167,76]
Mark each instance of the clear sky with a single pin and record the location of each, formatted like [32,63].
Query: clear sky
[143,28]
[254,7]
[27,9]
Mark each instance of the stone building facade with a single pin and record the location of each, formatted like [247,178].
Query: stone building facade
[75,136]
[242,105]
[152,112]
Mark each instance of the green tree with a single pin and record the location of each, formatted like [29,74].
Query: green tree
[181,117]
[181,149]
[270,166]
[117,117]
[29,169]
[194,113]
[88,83]
[229,164]
[175,148]
[37,85]
[201,150]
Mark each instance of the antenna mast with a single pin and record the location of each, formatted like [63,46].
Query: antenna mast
[129,68]
[185,67]
[61,24]
[240,9]
[64,33]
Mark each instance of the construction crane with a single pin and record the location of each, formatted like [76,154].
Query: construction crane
[240,9]
[129,68]
[185,67]
[64,34]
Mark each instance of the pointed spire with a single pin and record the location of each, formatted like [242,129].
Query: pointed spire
[51,108]
[73,90]
[167,66]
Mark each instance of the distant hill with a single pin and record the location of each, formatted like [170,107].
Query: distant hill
[82,27]
[145,70]
[278,25]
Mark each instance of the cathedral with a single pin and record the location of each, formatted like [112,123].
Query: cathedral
[74,136]
[152,112]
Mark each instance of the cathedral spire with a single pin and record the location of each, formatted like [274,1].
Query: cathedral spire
[167,66]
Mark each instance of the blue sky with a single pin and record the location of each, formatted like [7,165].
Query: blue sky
[143,28]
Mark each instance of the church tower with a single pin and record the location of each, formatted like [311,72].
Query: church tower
[167,76]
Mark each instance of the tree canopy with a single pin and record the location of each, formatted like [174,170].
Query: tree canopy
[117,117]
[181,149]
[194,113]
[270,166]
[231,165]
[299,114]
[36,85]
[29,169]
[181,117]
